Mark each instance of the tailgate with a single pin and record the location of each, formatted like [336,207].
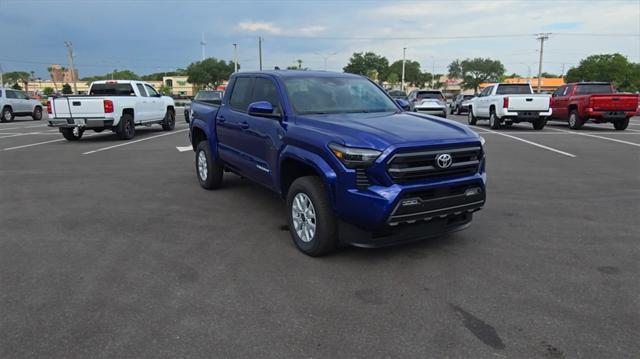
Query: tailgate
[528,103]
[78,107]
[614,102]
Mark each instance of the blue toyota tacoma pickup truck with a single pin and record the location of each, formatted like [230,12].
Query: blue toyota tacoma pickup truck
[353,166]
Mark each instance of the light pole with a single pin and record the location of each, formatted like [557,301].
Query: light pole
[541,37]
[1,77]
[326,58]
[433,71]
[235,57]
[69,46]
[404,59]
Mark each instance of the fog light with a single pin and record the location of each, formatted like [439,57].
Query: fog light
[472,191]
[410,202]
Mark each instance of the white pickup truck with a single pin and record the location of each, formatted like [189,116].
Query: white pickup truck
[118,105]
[509,104]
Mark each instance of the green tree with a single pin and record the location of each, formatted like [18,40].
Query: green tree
[412,73]
[115,75]
[16,86]
[209,72]
[475,71]
[66,89]
[362,63]
[393,78]
[50,70]
[548,75]
[17,77]
[165,90]
[157,76]
[614,68]
[48,91]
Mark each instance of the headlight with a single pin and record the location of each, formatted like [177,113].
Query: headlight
[482,141]
[354,157]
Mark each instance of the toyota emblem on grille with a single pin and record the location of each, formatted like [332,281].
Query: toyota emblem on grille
[444,160]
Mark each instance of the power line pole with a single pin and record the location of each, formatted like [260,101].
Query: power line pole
[69,46]
[404,59]
[235,57]
[203,44]
[433,71]
[1,77]
[260,51]
[541,37]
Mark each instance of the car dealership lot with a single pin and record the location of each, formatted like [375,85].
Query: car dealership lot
[95,262]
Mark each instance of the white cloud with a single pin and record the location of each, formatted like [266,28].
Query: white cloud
[311,30]
[259,26]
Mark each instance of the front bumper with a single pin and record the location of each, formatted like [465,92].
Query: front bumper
[81,122]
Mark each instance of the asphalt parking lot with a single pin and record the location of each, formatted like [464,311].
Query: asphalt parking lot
[110,249]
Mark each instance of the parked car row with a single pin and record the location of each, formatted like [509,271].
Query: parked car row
[209,96]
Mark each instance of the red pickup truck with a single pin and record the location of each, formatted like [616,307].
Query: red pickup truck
[597,101]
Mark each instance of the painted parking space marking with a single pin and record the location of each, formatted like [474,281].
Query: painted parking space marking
[529,142]
[132,142]
[184,148]
[597,136]
[10,135]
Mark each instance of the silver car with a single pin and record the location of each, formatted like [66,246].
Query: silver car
[16,103]
[428,101]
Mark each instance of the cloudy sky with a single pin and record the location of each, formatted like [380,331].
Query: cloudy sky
[157,35]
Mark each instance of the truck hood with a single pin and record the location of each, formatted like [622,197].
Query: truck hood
[381,130]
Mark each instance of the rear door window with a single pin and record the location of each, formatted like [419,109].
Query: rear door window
[11,94]
[241,94]
[143,93]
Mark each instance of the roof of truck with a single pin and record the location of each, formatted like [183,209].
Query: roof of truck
[299,73]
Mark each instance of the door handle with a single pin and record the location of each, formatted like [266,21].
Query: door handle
[221,119]
[244,125]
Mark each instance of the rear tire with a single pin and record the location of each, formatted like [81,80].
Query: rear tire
[494,121]
[7,114]
[169,122]
[208,170]
[37,114]
[72,135]
[458,112]
[539,123]
[444,114]
[575,121]
[126,128]
[186,116]
[622,124]
[312,223]
[471,119]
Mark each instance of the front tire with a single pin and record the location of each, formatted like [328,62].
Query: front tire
[208,170]
[126,128]
[7,114]
[169,122]
[471,119]
[575,121]
[37,114]
[494,121]
[72,134]
[186,116]
[622,124]
[312,223]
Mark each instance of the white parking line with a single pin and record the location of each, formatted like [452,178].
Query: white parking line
[35,126]
[184,148]
[528,142]
[33,144]
[596,136]
[132,142]
[8,135]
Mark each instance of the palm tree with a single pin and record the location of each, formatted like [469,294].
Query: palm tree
[50,69]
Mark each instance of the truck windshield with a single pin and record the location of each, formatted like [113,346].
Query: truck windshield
[112,89]
[588,89]
[213,97]
[324,95]
[515,89]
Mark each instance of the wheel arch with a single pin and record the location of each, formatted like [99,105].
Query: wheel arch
[297,162]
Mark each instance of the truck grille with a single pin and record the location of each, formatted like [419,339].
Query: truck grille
[406,167]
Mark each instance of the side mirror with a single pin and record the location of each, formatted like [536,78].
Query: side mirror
[262,109]
[404,104]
